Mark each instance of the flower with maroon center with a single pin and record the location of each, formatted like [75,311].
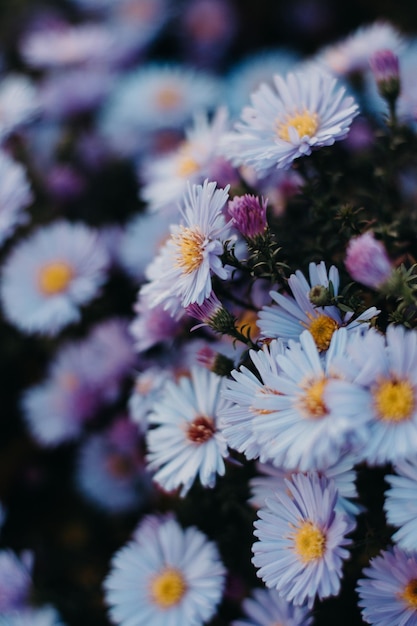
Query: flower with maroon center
[186,441]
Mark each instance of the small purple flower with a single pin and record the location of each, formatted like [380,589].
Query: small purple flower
[248,215]
[367,260]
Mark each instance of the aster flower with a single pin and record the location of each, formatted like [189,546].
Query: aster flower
[272,479]
[139,243]
[388,595]
[266,607]
[196,158]
[15,580]
[152,324]
[303,310]
[186,441]
[154,98]
[73,92]
[15,195]
[19,103]
[353,53]
[301,540]
[307,416]
[43,616]
[50,275]
[247,75]
[367,260]
[82,377]
[305,111]
[182,270]
[386,369]
[237,421]
[71,45]
[400,503]
[110,470]
[147,389]
[166,574]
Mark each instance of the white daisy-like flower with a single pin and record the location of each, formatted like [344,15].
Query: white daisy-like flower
[166,177]
[50,275]
[71,45]
[19,103]
[186,441]
[165,575]
[352,54]
[290,315]
[155,98]
[15,195]
[304,111]
[307,416]
[302,540]
[181,273]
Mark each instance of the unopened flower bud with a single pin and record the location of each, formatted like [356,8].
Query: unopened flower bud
[385,67]
[319,295]
[367,261]
[248,215]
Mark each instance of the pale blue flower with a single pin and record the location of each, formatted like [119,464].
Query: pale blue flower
[181,273]
[237,420]
[290,315]
[15,196]
[388,595]
[186,442]
[166,575]
[304,111]
[385,367]
[401,503]
[43,616]
[49,275]
[301,540]
[306,416]
[266,608]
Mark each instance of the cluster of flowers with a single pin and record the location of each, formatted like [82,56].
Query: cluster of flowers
[275,204]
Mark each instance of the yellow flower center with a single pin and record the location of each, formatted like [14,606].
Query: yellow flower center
[322,328]
[201,429]
[168,98]
[187,166]
[409,594]
[312,403]
[394,400]
[309,542]
[54,277]
[190,249]
[305,124]
[168,588]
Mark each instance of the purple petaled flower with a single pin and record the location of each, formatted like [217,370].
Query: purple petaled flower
[367,260]
[389,593]
[207,311]
[248,215]
[386,70]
